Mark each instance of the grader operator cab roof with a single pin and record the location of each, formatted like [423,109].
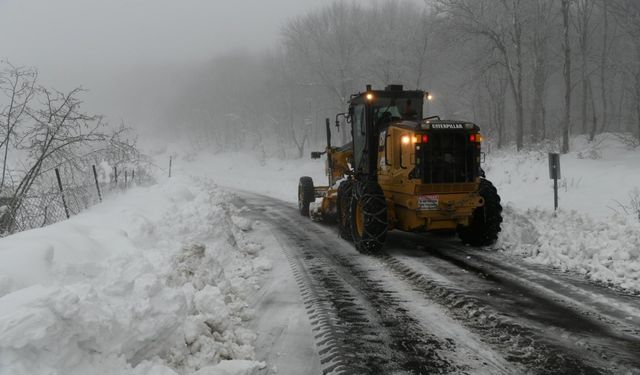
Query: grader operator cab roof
[391,104]
[403,108]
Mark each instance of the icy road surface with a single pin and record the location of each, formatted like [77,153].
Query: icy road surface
[427,305]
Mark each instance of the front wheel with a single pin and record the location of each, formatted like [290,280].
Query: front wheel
[484,225]
[369,222]
[306,195]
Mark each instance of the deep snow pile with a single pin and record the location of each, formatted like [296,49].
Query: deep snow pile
[604,251]
[153,281]
[595,233]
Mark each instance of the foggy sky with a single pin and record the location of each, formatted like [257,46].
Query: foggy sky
[98,43]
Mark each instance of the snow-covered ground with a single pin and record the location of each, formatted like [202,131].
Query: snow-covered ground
[158,280]
[153,281]
[596,231]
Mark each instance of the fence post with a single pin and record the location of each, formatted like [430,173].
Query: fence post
[64,201]
[95,177]
[133,175]
[170,164]
[125,179]
[115,174]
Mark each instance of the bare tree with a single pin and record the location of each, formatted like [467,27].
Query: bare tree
[55,135]
[585,29]
[329,44]
[485,18]
[628,15]
[421,47]
[496,83]
[604,65]
[18,85]
[540,37]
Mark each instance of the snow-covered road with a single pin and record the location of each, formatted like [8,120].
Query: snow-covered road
[427,305]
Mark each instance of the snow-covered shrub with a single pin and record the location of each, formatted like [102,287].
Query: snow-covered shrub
[632,207]
[630,141]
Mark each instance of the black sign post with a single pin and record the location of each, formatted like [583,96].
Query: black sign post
[554,173]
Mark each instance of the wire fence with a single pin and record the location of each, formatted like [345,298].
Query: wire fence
[61,198]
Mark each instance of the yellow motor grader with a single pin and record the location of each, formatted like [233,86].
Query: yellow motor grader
[403,171]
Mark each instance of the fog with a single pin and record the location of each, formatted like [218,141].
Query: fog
[274,70]
[130,53]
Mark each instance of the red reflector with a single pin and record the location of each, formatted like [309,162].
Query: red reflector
[472,137]
[425,138]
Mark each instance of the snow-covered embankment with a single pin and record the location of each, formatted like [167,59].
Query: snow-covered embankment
[596,230]
[154,281]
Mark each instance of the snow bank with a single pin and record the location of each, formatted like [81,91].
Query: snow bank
[604,251]
[154,281]
[596,231]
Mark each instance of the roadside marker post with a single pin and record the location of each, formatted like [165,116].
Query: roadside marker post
[554,174]
[95,177]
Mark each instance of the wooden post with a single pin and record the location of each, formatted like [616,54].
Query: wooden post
[133,175]
[170,164]
[64,201]
[125,179]
[95,177]
[115,174]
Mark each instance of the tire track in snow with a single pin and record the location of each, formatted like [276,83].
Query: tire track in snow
[513,296]
[363,329]
[519,342]
[324,262]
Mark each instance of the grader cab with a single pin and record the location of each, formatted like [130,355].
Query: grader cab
[403,171]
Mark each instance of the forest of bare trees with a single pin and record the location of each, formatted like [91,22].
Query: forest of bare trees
[527,71]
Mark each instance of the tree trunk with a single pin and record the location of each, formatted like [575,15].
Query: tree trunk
[594,114]
[519,98]
[585,94]
[567,78]
[502,114]
[637,101]
[603,67]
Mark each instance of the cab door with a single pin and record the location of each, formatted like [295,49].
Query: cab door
[385,157]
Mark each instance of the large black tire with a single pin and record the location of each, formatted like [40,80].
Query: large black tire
[343,209]
[369,222]
[306,195]
[484,225]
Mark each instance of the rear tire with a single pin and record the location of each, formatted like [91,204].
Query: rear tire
[306,195]
[343,209]
[484,225]
[369,221]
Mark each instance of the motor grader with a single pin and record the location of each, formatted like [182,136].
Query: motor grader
[403,171]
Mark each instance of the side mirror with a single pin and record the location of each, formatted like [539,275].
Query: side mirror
[316,154]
